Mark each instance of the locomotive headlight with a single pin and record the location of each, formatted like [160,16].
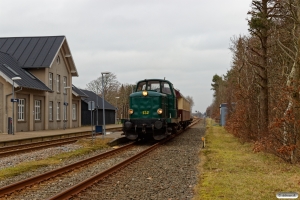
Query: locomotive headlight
[145,93]
[130,111]
[159,111]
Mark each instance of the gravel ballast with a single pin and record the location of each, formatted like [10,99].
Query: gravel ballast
[39,155]
[170,172]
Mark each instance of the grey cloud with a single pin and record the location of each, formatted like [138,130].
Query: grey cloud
[185,41]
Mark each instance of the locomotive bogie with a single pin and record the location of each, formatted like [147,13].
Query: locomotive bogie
[141,128]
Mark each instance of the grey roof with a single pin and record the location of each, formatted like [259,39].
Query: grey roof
[93,97]
[78,92]
[37,52]
[10,68]
[32,52]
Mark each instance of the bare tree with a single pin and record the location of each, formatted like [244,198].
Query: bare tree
[123,103]
[110,84]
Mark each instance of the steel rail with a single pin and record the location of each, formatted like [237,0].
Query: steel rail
[20,146]
[89,182]
[23,150]
[47,138]
[7,190]
[14,149]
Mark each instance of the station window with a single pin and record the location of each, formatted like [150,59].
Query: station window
[50,110]
[21,110]
[74,113]
[58,83]
[37,110]
[58,111]
[51,81]
[65,84]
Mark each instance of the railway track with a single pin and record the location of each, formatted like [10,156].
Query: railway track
[22,148]
[75,190]
[5,192]
[31,183]
[54,136]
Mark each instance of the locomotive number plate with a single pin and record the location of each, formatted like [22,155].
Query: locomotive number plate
[145,112]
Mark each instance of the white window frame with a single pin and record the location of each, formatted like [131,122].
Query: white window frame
[51,80]
[57,82]
[50,110]
[65,84]
[58,111]
[74,113]
[21,110]
[37,110]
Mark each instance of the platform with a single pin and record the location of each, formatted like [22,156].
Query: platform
[4,137]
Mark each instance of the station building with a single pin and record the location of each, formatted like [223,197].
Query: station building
[36,90]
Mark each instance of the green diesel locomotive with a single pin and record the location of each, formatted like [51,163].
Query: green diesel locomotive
[156,110]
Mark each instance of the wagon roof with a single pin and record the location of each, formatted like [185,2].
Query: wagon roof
[179,95]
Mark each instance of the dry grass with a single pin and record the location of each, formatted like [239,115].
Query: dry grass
[87,147]
[230,170]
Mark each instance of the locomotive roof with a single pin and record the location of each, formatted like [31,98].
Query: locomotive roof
[156,80]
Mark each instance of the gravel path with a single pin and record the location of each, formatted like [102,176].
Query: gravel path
[170,172]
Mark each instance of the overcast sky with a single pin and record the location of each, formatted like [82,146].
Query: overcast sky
[186,41]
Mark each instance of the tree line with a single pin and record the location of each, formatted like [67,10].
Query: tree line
[262,86]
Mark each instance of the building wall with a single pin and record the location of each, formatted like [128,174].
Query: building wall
[6,106]
[30,123]
[58,67]
[1,109]
[86,116]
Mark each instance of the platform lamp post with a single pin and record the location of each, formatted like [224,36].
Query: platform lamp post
[117,110]
[97,106]
[103,128]
[13,102]
[65,105]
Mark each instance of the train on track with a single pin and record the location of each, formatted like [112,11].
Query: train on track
[156,110]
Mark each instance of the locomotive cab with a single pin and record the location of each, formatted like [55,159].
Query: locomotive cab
[152,109]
